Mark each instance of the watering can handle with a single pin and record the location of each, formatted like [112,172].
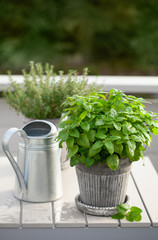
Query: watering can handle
[5,145]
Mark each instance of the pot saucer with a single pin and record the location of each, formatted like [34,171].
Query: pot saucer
[97,211]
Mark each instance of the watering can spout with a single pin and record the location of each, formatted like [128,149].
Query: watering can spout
[5,146]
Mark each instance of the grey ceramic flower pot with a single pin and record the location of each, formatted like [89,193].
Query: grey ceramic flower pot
[102,187]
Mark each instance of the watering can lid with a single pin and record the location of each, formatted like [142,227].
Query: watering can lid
[40,129]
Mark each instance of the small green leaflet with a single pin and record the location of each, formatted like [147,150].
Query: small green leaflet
[85,126]
[60,144]
[136,138]
[61,124]
[118,148]
[93,152]
[117,126]
[131,144]
[155,130]
[83,115]
[74,161]
[130,151]
[120,119]
[100,122]
[63,135]
[123,208]
[70,142]
[82,159]
[113,112]
[118,216]
[72,151]
[91,135]
[83,140]
[89,161]
[74,133]
[126,128]
[100,135]
[113,138]
[97,145]
[110,146]
[113,161]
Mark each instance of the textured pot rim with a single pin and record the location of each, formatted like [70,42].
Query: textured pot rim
[103,169]
[97,211]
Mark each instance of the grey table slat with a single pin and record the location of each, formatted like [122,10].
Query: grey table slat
[9,205]
[146,179]
[65,212]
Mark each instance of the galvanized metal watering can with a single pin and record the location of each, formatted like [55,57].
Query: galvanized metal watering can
[37,168]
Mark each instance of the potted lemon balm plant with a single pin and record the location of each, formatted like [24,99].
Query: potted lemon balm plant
[105,133]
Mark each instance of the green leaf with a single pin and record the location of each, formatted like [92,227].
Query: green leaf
[82,159]
[120,119]
[113,138]
[83,115]
[113,112]
[118,216]
[89,161]
[83,140]
[155,130]
[137,217]
[60,144]
[131,144]
[74,133]
[109,146]
[116,133]
[118,148]
[126,128]
[136,138]
[72,151]
[74,161]
[70,142]
[91,135]
[100,122]
[93,152]
[136,210]
[130,151]
[85,126]
[113,161]
[74,124]
[97,145]
[138,153]
[133,130]
[117,126]
[61,124]
[63,135]
[123,153]
[123,208]
[130,217]
[100,135]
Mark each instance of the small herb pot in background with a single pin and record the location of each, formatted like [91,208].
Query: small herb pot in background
[104,134]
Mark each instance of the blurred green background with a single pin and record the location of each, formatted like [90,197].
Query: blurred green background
[108,36]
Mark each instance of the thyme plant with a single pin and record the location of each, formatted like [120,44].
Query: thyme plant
[43,92]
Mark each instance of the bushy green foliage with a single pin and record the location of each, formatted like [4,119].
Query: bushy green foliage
[43,92]
[108,36]
[107,127]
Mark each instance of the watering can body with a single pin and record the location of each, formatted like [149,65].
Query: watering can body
[38,170]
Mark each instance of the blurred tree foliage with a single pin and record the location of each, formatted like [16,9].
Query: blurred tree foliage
[108,36]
